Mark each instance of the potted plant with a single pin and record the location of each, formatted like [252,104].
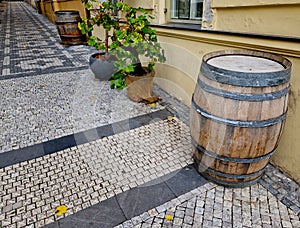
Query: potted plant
[103,15]
[127,38]
[136,39]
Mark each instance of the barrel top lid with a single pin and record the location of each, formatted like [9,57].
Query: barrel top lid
[244,63]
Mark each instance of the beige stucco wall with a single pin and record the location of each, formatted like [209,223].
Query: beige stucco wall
[70,5]
[288,155]
[184,50]
[279,17]
[49,7]
[47,10]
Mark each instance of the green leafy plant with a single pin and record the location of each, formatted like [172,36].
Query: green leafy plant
[137,38]
[103,15]
[126,38]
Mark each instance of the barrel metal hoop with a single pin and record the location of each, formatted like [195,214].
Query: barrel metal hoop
[67,12]
[238,123]
[242,96]
[230,183]
[231,159]
[245,79]
[66,22]
[229,175]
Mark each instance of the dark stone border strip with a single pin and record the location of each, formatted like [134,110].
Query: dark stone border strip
[135,201]
[42,72]
[58,144]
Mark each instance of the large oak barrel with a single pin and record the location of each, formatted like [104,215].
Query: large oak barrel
[238,112]
[67,26]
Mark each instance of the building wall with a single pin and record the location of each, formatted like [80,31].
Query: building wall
[272,17]
[70,5]
[48,10]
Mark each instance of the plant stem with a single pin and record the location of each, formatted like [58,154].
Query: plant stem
[106,42]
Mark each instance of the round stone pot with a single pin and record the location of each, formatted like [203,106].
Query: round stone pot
[103,69]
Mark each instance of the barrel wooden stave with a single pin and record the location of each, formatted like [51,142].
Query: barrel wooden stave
[231,141]
[228,166]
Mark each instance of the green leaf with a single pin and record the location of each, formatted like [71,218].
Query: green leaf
[142,10]
[147,30]
[91,42]
[151,66]
[119,5]
[129,69]
[88,6]
[112,84]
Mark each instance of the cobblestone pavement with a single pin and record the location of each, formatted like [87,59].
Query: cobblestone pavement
[81,176]
[49,106]
[216,206]
[136,176]
[61,97]
[32,46]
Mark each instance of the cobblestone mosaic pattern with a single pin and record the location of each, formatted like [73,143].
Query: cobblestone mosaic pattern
[32,45]
[216,206]
[53,105]
[85,175]
[282,187]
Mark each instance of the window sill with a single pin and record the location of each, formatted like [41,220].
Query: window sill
[178,25]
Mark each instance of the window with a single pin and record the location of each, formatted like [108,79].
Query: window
[187,9]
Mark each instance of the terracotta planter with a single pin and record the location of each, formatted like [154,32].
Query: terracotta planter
[102,69]
[140,87]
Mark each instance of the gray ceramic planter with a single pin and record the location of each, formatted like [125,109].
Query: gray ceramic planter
[102,69]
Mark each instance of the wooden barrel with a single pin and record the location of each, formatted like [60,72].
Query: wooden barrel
[238,112]
[67,26]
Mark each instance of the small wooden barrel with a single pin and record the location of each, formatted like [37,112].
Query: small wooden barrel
[67,26]
[238,112]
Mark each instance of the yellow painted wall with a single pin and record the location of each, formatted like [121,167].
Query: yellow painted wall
[147,4]
[48,10]
[279,17]
[70,5]
[49,7]
[288,155]
[184,51]
[155,7]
